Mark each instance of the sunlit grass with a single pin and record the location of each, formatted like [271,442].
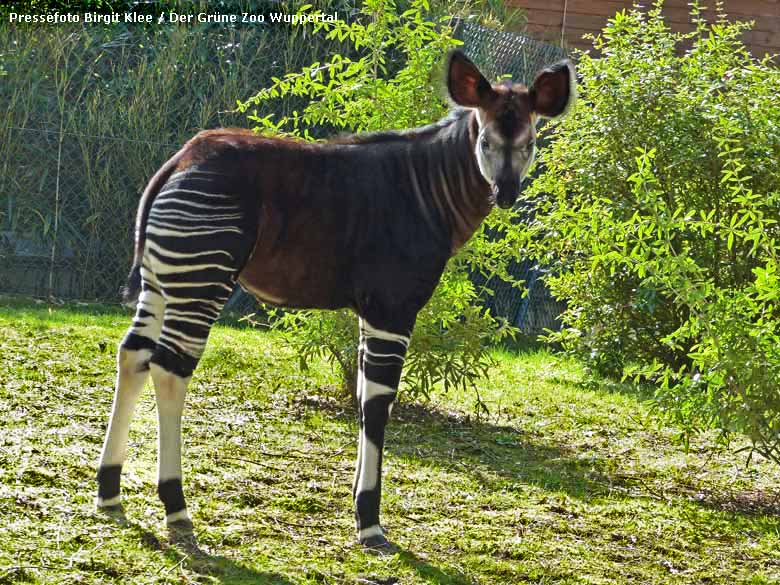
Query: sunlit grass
[560,481]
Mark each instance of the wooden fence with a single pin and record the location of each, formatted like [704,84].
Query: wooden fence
[565,21]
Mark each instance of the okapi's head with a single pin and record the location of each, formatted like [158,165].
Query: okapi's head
[507,114]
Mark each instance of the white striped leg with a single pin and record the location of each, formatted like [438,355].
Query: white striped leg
[170,391]
[132,372]
[131,376]
[360,390]
[384,354]
[182,341]
[195,241]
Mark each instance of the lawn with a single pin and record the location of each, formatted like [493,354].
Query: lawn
[565,481]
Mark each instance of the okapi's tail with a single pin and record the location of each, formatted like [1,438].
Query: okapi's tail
[131,291]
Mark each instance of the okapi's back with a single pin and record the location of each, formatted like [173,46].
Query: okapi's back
[318,214]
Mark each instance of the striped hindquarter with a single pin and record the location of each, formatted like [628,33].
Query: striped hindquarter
[196,242]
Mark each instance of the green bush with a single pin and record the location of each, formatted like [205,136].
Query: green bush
[658,217]
[388,82]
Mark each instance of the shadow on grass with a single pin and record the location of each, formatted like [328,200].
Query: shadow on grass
[497,454]
[430,573]
[474,446]
[465,445]
[195,559]
[190,556]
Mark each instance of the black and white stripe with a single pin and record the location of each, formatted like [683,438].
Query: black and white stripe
[381,358]
[368,222]
[194,243]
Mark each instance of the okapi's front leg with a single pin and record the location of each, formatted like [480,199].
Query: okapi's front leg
[361,380]
[381,357]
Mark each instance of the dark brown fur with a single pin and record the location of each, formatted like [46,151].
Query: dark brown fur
[336,224]
[364,222]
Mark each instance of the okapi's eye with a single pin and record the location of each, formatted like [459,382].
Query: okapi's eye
[485,144]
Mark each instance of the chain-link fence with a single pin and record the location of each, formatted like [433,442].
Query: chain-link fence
[68,193]
[503,53]
[92,112]
[69,201]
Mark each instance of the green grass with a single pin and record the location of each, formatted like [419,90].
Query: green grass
[564,482]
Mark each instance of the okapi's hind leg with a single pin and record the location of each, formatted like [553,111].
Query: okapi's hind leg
[382,354]
[197,238]
[133,357]
[185,330]
[170,391]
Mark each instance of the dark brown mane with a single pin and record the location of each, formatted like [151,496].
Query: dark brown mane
[401,135]
[248,136]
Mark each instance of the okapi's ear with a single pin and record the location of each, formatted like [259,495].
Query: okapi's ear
[466,85]
[554,90]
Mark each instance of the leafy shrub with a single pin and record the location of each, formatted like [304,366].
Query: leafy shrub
[658,216]
[386,82]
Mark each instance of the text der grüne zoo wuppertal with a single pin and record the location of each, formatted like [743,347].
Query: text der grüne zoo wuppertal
[172,18]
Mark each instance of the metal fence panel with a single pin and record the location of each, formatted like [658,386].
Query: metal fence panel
[503,53]
[68,209]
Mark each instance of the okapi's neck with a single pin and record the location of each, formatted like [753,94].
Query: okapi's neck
[450,190]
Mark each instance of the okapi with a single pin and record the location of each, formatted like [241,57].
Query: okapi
[367,222]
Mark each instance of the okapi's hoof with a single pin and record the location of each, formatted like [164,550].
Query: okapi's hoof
[379,545]
[181,534]
[115,512]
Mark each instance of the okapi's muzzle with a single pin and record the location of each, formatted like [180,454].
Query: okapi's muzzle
[506,189]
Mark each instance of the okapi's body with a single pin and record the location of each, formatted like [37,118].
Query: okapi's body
[367,223]
[327,237]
